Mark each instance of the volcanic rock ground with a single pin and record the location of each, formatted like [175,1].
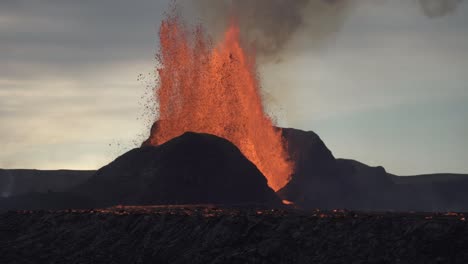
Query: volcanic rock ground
[206,234]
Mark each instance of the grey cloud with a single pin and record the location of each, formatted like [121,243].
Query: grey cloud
[78,33]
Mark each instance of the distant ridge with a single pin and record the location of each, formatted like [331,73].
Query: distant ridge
[430,178]
[22,181]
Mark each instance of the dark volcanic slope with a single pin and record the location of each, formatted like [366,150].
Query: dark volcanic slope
[321,181]
[192,168]
[204,235]
[315,179]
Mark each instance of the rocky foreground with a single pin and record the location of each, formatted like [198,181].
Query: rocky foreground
[206,234]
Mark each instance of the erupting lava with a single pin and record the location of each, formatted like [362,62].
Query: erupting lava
[214,89]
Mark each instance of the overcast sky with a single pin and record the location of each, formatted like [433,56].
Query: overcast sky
[390,88]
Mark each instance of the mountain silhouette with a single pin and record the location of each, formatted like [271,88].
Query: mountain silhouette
[202,168]
[322,181]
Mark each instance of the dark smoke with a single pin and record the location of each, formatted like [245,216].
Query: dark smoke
[437,8]
[269,26]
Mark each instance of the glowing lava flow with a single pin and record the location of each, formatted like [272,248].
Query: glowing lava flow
[214,89]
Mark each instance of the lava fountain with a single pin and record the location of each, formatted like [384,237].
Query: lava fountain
[213,88]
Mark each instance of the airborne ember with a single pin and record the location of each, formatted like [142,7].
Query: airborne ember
[213,88]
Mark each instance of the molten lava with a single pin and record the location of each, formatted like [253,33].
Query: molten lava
[214,89]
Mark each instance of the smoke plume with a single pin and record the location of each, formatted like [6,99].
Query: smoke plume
[268,26]
[437,8]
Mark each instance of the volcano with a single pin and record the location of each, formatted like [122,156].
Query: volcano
[190,169]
